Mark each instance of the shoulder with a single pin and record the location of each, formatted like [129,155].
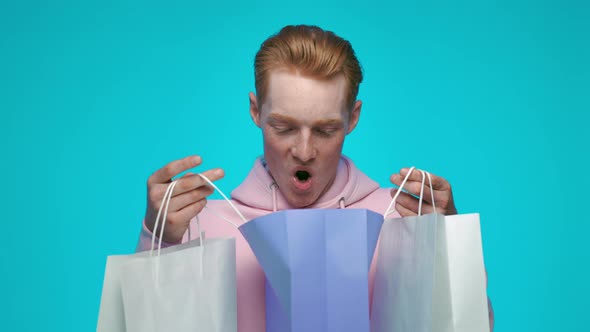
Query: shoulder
[378,200]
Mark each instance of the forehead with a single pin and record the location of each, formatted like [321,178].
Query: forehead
[304,97]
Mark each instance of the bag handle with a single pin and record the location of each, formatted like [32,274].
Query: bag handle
[163,206]
[394,199]
[227,200]
[422,193]
[166,203]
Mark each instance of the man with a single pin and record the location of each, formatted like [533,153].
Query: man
[307,81]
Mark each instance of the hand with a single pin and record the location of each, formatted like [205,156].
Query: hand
[407,205]
[188,199]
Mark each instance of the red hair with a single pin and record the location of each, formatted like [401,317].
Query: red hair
[311,51]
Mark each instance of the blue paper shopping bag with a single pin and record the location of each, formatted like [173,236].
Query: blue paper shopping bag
[316,263]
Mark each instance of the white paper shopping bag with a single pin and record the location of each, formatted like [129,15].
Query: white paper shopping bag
[187,287]
[194,290]
[460,254]
[430,275]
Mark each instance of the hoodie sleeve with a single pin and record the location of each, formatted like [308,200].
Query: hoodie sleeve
[491,314]
[145,239]
[490,307]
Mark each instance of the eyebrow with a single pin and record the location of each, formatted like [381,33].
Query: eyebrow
[280,118]
[284,118]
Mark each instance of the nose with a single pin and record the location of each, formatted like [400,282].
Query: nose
[304,150]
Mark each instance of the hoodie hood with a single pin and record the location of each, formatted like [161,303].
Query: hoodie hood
[350,186]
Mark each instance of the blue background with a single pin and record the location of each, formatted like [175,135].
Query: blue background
[94,97]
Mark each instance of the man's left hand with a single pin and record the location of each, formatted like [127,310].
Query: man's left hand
[407,205]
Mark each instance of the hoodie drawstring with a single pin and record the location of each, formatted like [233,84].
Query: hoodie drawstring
[341,202]
[273,187]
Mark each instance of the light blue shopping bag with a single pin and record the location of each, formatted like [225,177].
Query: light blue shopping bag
[317,264]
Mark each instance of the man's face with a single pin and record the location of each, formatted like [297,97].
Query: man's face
[304,122]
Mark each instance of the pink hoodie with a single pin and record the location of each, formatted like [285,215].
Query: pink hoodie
[258,196]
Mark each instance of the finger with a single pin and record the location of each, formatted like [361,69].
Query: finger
[411,184]
[438,183]
[404,212]
[412,203]
[414,188]
[166,173]
[183,200]
[186,184]
[406,200]
[184,216]
[442,198]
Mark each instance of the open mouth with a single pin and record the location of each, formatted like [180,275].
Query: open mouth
[302,175]
[302,180]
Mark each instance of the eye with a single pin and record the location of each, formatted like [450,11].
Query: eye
[325,132]
[282,129]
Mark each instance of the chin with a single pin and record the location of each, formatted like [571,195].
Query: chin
[302,201]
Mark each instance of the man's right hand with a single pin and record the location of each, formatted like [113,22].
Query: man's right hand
[188,199]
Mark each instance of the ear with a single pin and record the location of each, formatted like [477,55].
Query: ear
[254,111]
[354,116]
